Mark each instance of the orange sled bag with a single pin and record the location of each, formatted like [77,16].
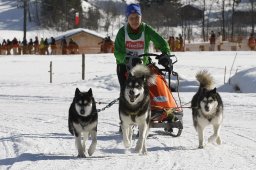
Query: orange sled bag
[160,94]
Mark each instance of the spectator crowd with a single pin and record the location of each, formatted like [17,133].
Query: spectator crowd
[176,44]
[48,46]
[40,47]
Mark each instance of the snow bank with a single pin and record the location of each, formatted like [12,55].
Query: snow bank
[245,81]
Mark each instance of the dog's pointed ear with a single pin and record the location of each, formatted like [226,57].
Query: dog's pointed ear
[90,92]
[203,90]
[130,74]
[77,91]
[214,90]
[144,78]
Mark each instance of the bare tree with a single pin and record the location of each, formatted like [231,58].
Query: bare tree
[252,2]
[37,13]
[234,4]
[223,20]
[25,19]
[203,21]
[206,7]
[111,12]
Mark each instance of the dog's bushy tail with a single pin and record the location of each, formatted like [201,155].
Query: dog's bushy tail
[205,79]
[142,70]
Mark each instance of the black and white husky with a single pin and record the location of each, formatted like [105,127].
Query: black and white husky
[83,120]
[207,108]
[134,106]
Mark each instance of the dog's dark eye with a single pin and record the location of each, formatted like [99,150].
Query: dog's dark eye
[137,86]
[210,101]
[82,103]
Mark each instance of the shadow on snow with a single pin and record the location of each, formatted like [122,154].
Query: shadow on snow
[33,157]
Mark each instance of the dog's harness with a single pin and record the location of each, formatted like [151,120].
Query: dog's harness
[115,100]
[108,105]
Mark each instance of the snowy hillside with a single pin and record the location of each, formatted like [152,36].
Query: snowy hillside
[11,17]
[11,23]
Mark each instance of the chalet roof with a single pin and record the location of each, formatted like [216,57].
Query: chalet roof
[77,31]
[191,7]
[190,12]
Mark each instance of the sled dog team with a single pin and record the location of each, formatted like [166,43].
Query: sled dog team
[134,109]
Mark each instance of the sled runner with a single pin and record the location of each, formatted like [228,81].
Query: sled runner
[165,112]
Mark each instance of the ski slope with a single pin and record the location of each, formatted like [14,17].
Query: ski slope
[34,112]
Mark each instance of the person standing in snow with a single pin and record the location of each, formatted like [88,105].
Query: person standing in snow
[46,46]
[9,47]
[212,41]
[219,41]
[36,45]
[64,45]
[171,43]
[53,46]
[134,39]
[30,46]
[24,45]
[4,47]
[41,47]
[181,43]
[252,42]
[15,46]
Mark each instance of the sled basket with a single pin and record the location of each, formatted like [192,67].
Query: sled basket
[161,95]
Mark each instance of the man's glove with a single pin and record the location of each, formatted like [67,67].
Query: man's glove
[164,60]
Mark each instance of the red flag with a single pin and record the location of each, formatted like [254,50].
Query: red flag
[77,18]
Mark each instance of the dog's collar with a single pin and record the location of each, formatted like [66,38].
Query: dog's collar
[83,124]
[90,117]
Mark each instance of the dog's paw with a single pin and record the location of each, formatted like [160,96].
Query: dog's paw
[200,147]
[127,144]
[143,153]
[218,140]
[81,155]
[91,150]
[138,149]
[212,139]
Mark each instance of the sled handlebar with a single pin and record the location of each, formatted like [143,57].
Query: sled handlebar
[158,56]
[165,60]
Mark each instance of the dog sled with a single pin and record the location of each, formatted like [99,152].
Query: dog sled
[164,109]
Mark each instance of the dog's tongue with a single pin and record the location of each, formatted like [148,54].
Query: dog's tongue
[132,98]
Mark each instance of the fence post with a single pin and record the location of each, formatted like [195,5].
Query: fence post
[50,71]
[225,75]
[83,66]
[229,80]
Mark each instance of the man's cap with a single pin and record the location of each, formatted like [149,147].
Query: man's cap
[133,8]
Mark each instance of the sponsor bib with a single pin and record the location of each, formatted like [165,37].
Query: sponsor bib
[134,47]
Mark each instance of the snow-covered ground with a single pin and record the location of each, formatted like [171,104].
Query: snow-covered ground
[34,112]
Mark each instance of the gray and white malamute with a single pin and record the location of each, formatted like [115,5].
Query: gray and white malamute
[207,108]
[134,106]
[83,120]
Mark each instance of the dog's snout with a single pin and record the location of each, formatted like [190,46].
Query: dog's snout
[82,111]
[131,92]
[206,108]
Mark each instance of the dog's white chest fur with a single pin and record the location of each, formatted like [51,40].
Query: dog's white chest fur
[79,128]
